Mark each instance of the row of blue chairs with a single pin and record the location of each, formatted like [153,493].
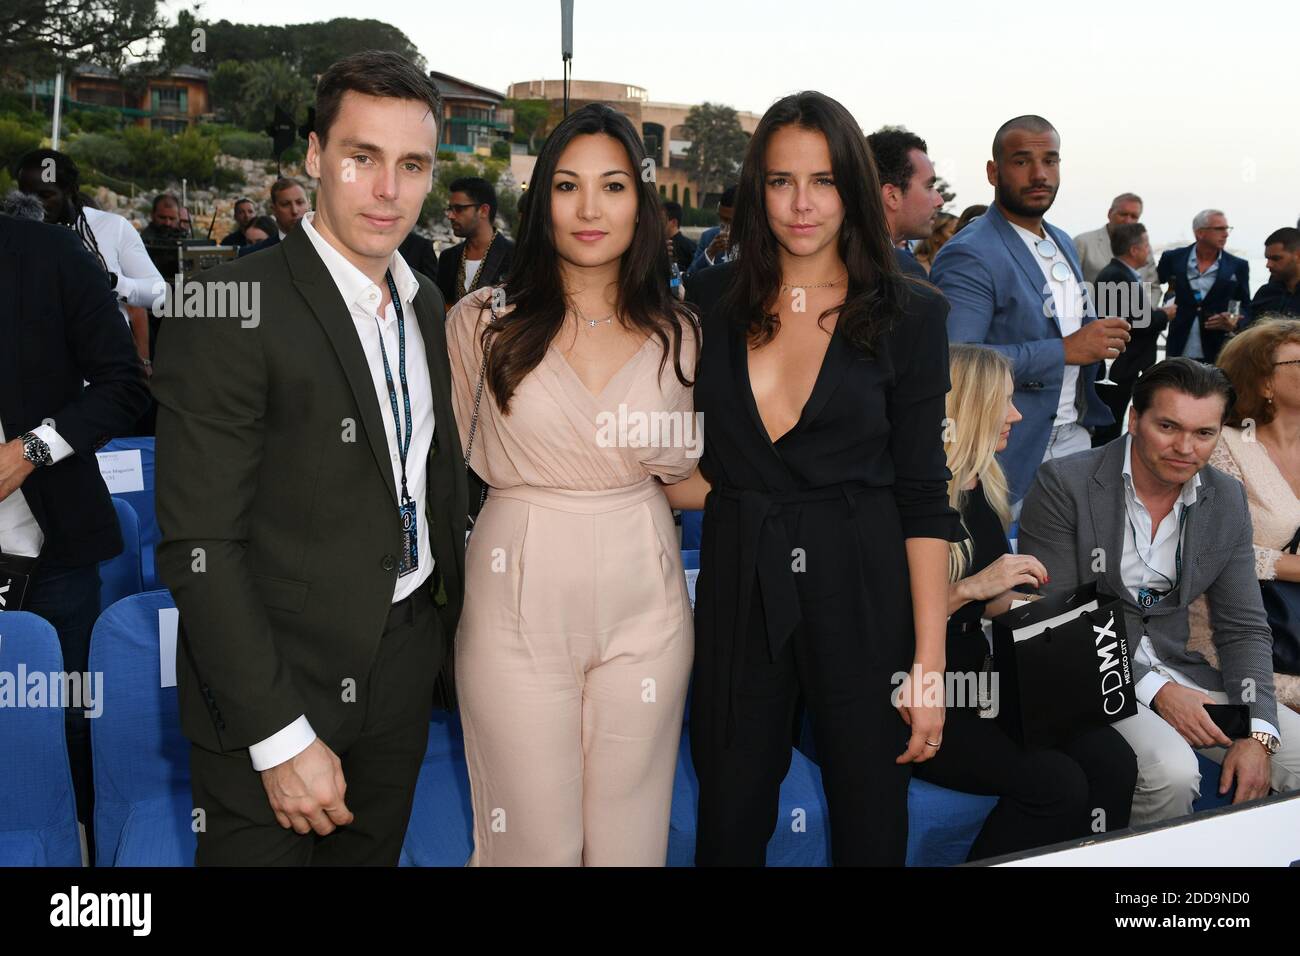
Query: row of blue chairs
[143,812]
[143,807]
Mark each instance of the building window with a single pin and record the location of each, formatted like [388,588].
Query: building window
[99,96]
[471,113]
[170,99]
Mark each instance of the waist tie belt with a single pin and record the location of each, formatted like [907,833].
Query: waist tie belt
[765,554]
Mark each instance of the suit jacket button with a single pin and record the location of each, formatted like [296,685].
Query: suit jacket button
[388,563]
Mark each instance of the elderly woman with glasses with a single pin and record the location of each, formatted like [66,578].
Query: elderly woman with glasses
[1260,446]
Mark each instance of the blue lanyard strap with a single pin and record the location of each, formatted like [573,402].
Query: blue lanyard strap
[403,444]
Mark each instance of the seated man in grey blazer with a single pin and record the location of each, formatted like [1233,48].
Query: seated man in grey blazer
[1147,518]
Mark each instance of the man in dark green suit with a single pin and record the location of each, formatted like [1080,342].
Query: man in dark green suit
[312,500]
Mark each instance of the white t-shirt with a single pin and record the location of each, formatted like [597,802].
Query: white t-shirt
[471,270]
[1067,298]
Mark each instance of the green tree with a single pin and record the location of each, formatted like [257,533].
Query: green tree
[717,146]
[226,89]
[266,85]
[307,48]
[532,118]
[945,190]
[37,35]
[15,140]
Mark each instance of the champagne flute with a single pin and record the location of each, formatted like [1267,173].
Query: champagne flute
[1105,369]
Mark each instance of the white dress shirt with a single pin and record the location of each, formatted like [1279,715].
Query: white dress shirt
[1201,282]
[139,282]
[363,297]
[19,532]
[1067,298]
[1153,563]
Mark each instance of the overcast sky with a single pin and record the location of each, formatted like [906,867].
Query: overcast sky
[1190,105]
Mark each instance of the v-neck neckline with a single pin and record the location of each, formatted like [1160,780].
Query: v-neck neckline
[1277,470]
[748,388]
[597,397]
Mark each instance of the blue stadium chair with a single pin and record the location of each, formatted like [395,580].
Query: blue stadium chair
[441,829]
[143,503]
[119,577]
[692,530]
[141,760]
[942,824]
[801,801]
[1209,798]
[38,812]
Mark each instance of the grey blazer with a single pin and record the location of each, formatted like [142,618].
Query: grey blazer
[1073,521]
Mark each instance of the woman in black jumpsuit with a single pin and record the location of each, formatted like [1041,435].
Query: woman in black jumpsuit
[804,581]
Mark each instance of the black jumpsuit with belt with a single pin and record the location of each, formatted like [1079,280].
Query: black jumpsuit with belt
[803,582]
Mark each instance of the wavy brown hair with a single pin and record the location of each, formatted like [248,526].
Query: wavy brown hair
[875,288]
[535,287]
[1248,360]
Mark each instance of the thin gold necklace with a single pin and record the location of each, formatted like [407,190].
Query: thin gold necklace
[818,285]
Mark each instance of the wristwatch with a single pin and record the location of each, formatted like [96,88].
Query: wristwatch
[35,450]
[1271,743]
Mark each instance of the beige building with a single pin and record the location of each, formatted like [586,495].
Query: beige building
[661,126]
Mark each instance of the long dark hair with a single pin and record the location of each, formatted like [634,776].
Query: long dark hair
[68,178]
[534,285]
[875,287]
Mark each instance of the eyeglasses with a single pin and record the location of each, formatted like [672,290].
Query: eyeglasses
[1047,249]
[458,206]
[1217,228]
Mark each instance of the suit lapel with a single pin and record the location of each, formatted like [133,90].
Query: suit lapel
[1025,259]
[315,284]
[1198,518]
[1109,519]
[439,384]
[1223,278]
[492,262]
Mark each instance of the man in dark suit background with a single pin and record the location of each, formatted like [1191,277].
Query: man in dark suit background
[70,380]
[907,189]
[288,206]
[484,256]
[1121,291]
[680,248]
[1204,278]
[312,501]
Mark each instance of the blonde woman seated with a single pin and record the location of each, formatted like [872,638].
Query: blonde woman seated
[1263,363]
[1046,795]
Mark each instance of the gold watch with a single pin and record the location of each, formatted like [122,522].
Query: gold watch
[1271,743]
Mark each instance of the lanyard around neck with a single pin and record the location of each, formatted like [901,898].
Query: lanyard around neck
[403,443]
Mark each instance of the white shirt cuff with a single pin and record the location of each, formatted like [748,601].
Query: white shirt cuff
[1259,723]
[59,449]
[1148,686]
[282,746]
